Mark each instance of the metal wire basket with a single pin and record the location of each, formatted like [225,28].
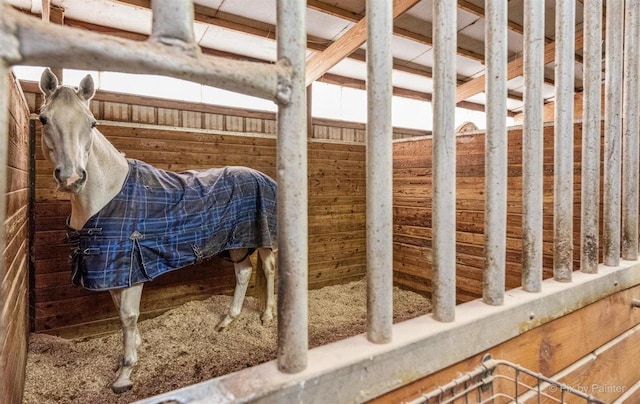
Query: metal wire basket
[498,381]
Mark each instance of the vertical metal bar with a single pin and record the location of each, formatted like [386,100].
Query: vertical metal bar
[172,23]
[612,133]
[444,159]
[630,132]
[563,142]
[591,135]
[292,194]
[379,172]
[532,146]
[495,207]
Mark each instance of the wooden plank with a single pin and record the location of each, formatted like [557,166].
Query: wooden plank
[602,373]
[320,63]
[143,114]
[412,200]
[14,325]
[551,347]
[192,119]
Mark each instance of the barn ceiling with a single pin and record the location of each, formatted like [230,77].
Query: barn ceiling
[245,29]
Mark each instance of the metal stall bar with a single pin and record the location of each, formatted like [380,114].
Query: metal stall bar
[292,194]
[532,146]
[563,142]
[444,159]
[172,24]
[495,207]
[379,172]
[612,132]
[591,134]
[43,44]
[630,132]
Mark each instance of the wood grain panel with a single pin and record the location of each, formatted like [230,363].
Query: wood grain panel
[14,272]
[412,203]
[605,333]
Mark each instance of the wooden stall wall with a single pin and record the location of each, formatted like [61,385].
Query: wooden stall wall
[412,211]
[595,350]
[14,277]
[176,136]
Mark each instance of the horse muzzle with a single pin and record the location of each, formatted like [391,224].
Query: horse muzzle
[70,182]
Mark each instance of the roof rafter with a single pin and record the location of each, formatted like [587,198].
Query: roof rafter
[400,32]
[351,40]
[515,68]
[264,30]
[328,77]
[511,25]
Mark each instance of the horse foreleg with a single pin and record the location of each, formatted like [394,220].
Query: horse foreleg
[268,258]
[127,302]
[243,274]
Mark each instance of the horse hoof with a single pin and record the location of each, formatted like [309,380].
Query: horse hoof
[222,325]
[121,388]
[266,320]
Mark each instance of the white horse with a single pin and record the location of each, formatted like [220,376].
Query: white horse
[92,171]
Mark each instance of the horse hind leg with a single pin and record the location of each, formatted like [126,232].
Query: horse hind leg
[127,301]
[243,274]
[268,258]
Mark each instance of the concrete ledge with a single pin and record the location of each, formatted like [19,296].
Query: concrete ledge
[355,370]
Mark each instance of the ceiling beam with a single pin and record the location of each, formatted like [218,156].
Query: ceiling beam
[478,11]
[212,16]
[512,26]
[320,63]
[397,31]
[208,15]
[326,78]
[515,68]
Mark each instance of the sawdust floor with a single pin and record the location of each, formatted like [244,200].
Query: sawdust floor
[181,346]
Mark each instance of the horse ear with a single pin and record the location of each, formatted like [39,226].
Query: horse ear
[87,90]
[48,82]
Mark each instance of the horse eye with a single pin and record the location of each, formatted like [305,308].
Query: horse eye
[43,120]
[93,124]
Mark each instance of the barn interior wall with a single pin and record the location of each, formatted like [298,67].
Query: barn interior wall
[14,277]
[176,136]
[412,211]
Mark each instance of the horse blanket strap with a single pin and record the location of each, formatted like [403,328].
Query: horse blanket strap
[161,221]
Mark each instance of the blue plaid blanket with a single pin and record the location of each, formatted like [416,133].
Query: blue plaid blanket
[162,221]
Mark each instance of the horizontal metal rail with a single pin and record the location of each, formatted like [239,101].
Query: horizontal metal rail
[26,40]
[356,370]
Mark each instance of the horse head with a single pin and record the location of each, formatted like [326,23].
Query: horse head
[67,129]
